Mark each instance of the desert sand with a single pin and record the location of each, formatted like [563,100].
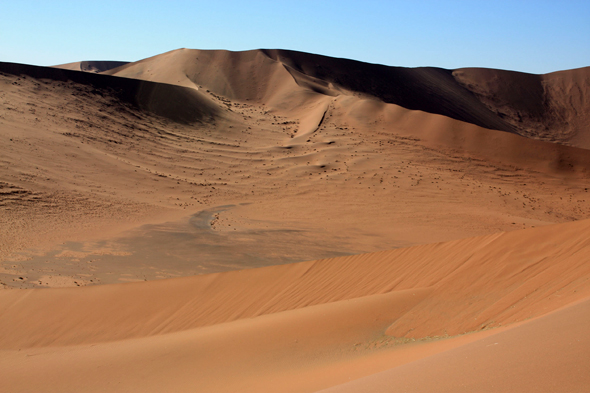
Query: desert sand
[272,220]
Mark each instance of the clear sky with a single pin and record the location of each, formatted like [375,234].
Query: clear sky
[532,36]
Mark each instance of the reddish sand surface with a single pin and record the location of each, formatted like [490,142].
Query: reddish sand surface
[277,221]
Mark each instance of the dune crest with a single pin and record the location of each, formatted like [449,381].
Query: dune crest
[95,66]
[549,107]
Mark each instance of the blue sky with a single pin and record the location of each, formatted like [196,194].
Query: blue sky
[531,36]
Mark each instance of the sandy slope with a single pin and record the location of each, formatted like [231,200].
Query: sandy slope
[124,151]
[551,107]
[398,176]
[549,354]
[195,162]
[473,284]
[292,320]
[299,350]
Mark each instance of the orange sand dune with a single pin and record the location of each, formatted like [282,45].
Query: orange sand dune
[280,221]
[294,351]
[308,87]
[419,292]
[472,284]
[548,354]
[552,107]
[549,107]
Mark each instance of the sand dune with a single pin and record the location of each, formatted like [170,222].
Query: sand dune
[549,354]
[552,107]
[366,164]
[299,350]
[273,220]
[544,107]
[548,107]
[173,102]
[427,89]
[472,284]
[288,313]
[92,66]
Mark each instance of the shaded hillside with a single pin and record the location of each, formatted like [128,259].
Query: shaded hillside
[554,107]
[173,102]
[550,107]
[426,89]
[273,76]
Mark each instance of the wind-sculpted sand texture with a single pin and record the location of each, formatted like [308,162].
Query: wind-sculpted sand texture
[334,310]
[273,220]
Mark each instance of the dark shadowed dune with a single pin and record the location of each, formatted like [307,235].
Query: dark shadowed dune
[426,89]
[553,107]
[170,101]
